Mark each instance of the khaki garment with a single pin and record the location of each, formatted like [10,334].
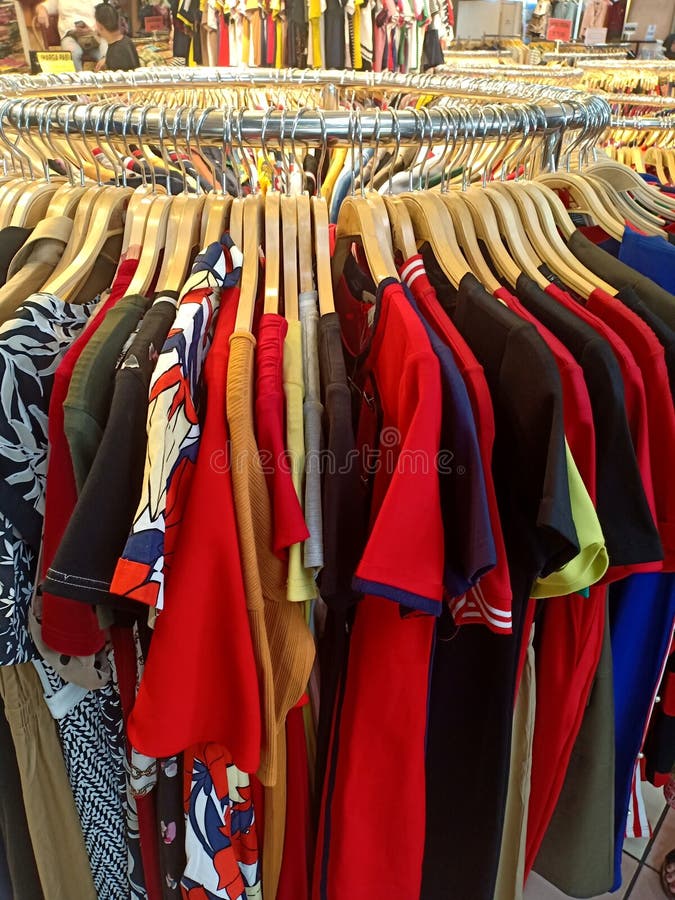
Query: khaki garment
[577,853]
[32,266]
[301,584]
[282,642]
[52,818]
[511,873]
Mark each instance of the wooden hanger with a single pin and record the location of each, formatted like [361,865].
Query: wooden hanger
[468,240]
[401,227]
[511,228]
[433,225]
[80,230]
[154,241]
[136,220]
[324,276]
[655,157]
[546,249]
[272,216]
[32,203]
[215,217]
[107,222]
[356,222]
[8,200]
[252,233]
[237,221]
[586,200]
[183,232]
[624,206]
[66,200]
[289,219]
[534,199]
[487,230]
[305,267]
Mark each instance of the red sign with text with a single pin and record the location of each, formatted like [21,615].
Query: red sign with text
[154,23]
[559,30]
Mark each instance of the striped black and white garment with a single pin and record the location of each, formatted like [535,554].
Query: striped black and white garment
[32,345]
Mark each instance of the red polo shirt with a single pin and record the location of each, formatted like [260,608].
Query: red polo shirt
[650,356]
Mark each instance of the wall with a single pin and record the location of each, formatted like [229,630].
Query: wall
[652,12]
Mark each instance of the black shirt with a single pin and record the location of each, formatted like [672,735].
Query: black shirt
[630,533]
[618,274]
[12,240]
[93,542]
[469,733]
[122,55]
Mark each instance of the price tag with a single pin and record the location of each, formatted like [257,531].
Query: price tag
[154,23]
[559,30]
[53,62]
[650,33]
[595,36]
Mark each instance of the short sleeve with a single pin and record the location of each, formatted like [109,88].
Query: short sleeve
[403,558]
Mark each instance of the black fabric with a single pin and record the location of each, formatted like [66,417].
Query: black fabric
[14,832]
[12,240]
[122,56]
[334,19]
[630,533]
[170,809]
[618,274]
[85,560]
[344,528]
[469,734]
[660,744]
[663,332]
[432,52]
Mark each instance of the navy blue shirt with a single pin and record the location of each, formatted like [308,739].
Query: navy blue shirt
[469,543]
[651,256]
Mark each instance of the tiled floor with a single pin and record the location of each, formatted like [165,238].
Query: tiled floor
[641,861]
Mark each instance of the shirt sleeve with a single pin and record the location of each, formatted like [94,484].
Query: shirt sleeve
[403,559]
[591,562]
[536,408]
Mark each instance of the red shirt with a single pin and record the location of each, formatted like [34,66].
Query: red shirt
[491,599]
[288,519]
[650,356]
[380,771]
[68,626]
[200,682]
[636,413]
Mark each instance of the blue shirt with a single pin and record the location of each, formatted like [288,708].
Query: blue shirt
[652,256]
[469,543]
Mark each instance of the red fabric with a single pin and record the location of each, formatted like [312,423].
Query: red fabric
[125,664]
[495,585]
[650,356]
[298,849]
[200,681]
[570,629]
[380,771]
[68,626]
[288,520]
[224,55]
[636,411]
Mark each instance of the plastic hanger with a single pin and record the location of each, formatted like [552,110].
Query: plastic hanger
[624,206]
